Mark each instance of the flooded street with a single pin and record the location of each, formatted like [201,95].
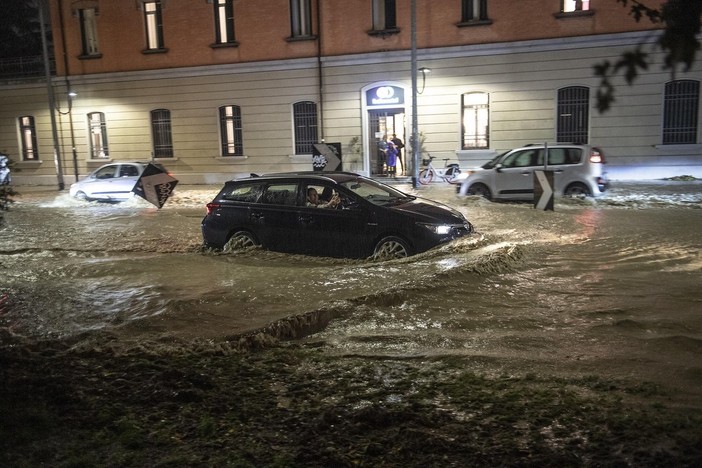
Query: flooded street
[549,339]
[608,287]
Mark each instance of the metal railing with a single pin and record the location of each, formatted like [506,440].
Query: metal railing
[25,67]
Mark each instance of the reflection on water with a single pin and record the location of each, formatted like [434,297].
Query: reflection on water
[610,285]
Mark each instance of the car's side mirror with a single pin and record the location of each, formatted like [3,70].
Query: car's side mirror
[498,167]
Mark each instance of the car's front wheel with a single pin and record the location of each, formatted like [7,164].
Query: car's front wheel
[240,240]
[82,196]
[577,189]
[480,190]
[391,247]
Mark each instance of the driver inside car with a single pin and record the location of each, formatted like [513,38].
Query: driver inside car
[314,201]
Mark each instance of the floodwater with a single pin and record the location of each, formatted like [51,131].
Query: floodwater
[610,286]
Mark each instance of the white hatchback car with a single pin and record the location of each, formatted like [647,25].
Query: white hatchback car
[111,182]
[578,170]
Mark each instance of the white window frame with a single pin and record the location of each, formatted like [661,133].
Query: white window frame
[475,120]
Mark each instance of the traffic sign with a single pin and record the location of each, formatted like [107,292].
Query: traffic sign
[543,190]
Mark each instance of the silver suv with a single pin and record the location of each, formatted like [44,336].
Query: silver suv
[578,170]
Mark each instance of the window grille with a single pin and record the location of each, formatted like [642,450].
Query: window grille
[475,120]
[573,114]
[305,122]
[680,109]
[161,130]
[28,137]
[98,136]
[230,130]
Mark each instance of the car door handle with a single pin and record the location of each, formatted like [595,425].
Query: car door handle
[257,215]
[305,219]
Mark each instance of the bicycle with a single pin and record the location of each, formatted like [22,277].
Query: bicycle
[448,173]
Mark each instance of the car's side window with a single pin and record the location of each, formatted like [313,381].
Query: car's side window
[521,159]
[107,172]
[247,193]
[280,194]
[574,155]
[128,171]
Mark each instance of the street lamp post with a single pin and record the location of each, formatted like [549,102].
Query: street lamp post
[52,100]
[415,126]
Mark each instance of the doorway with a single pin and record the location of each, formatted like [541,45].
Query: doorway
[384,125]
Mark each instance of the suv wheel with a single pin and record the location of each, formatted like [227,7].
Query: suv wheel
[480,190]
[240,240]
[577,189]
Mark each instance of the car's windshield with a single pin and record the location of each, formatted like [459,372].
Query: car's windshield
[376,193]
[493,162]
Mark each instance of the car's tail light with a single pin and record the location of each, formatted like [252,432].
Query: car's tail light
[597,156]
[211,207]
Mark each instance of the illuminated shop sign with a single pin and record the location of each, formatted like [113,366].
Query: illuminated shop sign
[385,96]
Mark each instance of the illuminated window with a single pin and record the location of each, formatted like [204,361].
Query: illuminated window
[88,31]
[305,123]
[224,21]
[473,10]
[230,130]
[476,120]
[575,5]
[384,15]
[680,111]
[573,115]
[300,18]
[161,133]
[154,25]
[98,136]
[28,138]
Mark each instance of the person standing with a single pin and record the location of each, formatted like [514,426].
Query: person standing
[399,145]
[391,155]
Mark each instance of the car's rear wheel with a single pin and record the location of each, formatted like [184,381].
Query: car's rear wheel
[481,190]
[391,247]
[577,189]
[241,240]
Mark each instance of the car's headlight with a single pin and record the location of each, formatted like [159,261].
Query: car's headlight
[440,229]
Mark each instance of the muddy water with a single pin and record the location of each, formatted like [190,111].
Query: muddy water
[612,286]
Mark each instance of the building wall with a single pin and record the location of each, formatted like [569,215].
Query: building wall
[262,30]
[522,78]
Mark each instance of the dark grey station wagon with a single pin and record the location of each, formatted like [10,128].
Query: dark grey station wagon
[335,214]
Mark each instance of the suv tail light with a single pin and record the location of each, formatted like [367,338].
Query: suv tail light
[211,207]
[597,156]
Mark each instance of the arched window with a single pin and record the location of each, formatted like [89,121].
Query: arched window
[573,114]
[230,131]
[475,120]
[98,136]
[28,138]
[680,111]
[161,133]
[305,126]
